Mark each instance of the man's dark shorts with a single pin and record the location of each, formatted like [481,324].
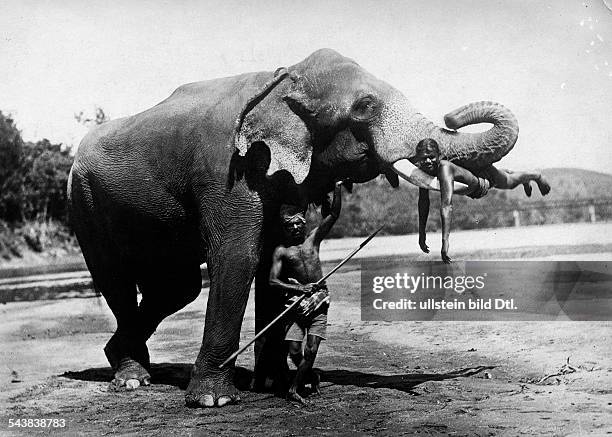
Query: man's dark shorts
[314,323]
[317,326]
[486,181]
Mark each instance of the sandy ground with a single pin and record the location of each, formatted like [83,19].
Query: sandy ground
[491,242]
[423,378]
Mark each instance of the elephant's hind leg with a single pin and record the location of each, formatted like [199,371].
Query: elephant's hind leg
[126,350]
[113,278]
[164,296]
[161,296]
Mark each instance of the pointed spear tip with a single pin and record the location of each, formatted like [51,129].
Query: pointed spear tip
[377,230]
[372,235]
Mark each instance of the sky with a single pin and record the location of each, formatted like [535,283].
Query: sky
[550,62]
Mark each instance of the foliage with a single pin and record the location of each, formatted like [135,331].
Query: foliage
[45,168]
[50,238]
[33,177]
[99,117]
[11,151]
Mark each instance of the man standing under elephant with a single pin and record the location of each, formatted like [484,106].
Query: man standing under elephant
[295,270]
[427,158]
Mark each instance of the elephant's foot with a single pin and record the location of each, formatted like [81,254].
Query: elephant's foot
[543,185]
[129,362]
[130,375]
[211,388]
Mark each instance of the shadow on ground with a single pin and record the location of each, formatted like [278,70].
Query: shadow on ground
[175,374]
[178,375]
[405,382]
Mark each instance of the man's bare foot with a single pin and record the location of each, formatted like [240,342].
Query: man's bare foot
[130,375]
[543,185]
[527,188]
[315,385]
[294,396]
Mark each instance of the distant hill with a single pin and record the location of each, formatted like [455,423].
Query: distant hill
[375,203]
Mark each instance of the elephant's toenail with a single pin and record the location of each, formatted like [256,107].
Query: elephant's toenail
[223,400]
[132,384]
[208,401]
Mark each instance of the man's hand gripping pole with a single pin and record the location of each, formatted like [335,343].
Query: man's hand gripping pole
[299,299]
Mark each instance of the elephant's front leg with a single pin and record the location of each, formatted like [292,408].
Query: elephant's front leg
[231,267]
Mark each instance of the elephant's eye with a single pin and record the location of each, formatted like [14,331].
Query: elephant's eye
[365,108]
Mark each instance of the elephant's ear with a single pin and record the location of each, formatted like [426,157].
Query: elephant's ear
[268,118]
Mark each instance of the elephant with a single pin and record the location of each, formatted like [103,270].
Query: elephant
[200,177]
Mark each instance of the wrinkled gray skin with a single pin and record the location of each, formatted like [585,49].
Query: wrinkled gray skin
[200,177]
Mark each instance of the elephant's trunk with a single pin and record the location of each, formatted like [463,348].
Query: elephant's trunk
[481,149]
[401,129]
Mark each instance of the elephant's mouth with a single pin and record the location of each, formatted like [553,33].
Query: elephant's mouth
[356,162]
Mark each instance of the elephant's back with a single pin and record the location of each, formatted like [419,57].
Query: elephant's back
[199,114]
[209,92]
[146,160]
[211,103]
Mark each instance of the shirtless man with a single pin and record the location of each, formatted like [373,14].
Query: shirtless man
[427,158]
[295,270]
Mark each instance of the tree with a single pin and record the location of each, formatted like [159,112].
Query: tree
[11,150]
[45,169]
[99,117]
[33,177]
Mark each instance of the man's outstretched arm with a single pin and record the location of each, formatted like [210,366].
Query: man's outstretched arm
[423,214]
[328,222]
[445,174]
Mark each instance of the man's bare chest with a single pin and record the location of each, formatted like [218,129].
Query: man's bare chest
[301,259]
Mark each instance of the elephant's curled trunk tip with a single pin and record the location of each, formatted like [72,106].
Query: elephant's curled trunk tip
[478,150]
[481,112]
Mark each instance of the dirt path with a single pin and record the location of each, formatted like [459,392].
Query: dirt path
[428,378]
